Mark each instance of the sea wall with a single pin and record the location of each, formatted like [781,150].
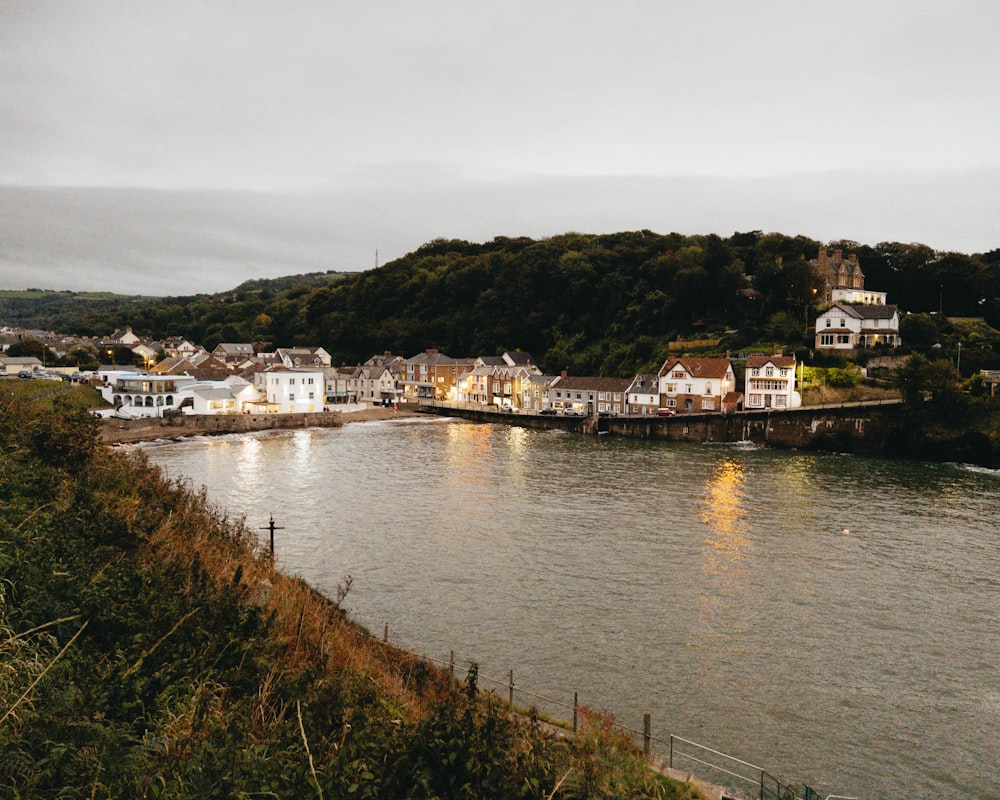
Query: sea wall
[133,430]
[852,428]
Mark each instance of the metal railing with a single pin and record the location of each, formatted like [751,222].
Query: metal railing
[738,778]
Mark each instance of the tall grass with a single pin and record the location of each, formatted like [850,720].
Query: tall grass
[149,648]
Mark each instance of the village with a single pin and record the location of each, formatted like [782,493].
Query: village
[179,376]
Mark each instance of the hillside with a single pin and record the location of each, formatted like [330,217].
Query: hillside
[148,648]
[592,304]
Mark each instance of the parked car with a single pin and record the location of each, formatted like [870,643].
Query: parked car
[24,373]
[574,412]
[666,412]
[549,412]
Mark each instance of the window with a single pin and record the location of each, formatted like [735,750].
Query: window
[678,374]
[768,372]
[310,395]
[754,372]
[829,322]
[291,398]
[671,388]
[826,340]
[687,389]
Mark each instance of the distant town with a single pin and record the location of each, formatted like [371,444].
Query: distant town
[179,376]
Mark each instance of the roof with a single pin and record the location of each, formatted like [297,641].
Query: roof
[860,311]
[212,393]
[518,358]
[646,382]
[236,348]
[756,362]
[699,367]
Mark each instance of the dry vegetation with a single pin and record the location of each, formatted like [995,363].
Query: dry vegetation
[148,648]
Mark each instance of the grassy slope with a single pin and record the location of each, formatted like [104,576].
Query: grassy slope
[148,649]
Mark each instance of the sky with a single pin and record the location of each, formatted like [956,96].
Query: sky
[178,147]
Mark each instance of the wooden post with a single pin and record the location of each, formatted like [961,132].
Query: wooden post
[385,636]
[576,705]
[452,667]
[512,688]
[645,734]
[272,528]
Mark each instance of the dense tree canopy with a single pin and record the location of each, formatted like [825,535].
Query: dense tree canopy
[600,304]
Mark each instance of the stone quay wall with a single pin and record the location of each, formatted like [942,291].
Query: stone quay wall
[114,431]
[849,427]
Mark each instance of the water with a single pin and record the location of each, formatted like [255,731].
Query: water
[835,620]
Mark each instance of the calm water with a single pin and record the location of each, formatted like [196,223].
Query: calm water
[711,586]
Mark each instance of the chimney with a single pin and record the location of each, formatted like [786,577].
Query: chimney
[562,374]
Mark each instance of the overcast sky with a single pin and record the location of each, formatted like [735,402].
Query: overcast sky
[261,139]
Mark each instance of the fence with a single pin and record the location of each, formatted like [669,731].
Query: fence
[739,779]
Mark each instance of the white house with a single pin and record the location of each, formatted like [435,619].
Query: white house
[698,384]
[302,357]
[865,297]
[289,391]
[643,396]
[234,395]
[139,395]
[846,326]
[770,383]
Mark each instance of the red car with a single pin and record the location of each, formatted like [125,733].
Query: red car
[666,412]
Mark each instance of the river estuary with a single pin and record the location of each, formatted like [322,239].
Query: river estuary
[833,619]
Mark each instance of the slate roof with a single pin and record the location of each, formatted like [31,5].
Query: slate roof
[859,311]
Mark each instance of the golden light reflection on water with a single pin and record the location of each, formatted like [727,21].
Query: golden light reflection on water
[468,455]
[724,514]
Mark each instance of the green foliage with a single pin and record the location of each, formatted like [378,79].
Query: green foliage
[575,301]
[136,660]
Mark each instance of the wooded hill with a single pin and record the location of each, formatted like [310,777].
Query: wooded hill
[592,304]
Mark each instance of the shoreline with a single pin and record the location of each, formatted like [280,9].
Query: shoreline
[116,432]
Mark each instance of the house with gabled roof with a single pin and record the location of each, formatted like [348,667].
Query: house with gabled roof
[432,374]
[233,352]
[847,326]
[588,395]
[693,385]
[534,392]
[769,382]
[304,357]
[643,395]
[341,384]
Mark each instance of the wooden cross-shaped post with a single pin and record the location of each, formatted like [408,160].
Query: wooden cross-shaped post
[272,528]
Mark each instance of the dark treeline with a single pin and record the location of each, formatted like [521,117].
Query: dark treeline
[593,304]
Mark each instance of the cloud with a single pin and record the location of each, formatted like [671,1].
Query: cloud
[185,242]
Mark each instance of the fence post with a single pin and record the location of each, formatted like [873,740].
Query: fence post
[576,705]
[645,734]
[512,688]
[385,636]
[670,763]
[452,667]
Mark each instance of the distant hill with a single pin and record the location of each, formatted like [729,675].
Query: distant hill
[605,304]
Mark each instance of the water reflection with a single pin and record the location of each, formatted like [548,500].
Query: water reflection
[724,515]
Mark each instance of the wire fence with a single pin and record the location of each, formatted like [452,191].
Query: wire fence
[679,756]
